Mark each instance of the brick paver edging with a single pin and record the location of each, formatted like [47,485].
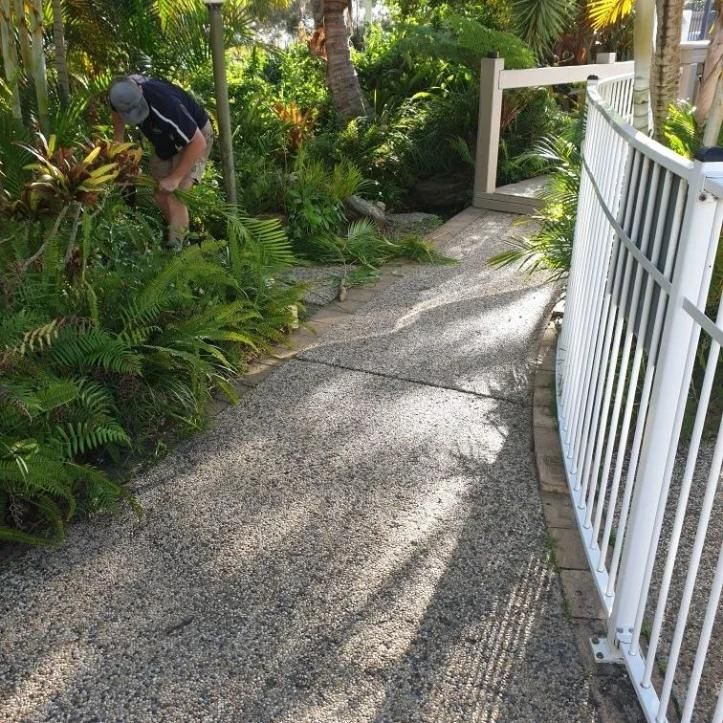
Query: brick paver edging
[611,688]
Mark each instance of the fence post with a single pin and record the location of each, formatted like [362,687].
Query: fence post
[488,129]
[669,391]
[605,58]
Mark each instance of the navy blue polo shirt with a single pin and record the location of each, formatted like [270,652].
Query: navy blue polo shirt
[173,119]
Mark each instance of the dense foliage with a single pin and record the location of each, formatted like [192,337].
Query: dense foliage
[550,247]
[111,344]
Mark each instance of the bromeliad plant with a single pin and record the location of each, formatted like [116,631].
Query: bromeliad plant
[61,179]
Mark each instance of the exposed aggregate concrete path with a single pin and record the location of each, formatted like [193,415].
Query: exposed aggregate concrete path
[361,539]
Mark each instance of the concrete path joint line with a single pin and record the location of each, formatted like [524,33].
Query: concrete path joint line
[409,380]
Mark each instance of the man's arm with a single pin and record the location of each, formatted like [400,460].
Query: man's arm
[119,126]
[191,152]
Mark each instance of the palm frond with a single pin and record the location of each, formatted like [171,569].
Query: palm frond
[606,13]
[541,22]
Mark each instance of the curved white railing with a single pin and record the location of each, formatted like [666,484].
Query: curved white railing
[639,389]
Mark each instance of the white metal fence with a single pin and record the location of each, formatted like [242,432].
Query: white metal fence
[640,391]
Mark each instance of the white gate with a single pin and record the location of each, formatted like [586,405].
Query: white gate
[639,392]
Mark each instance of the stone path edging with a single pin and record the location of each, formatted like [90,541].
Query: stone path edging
[328,316]
[611,688]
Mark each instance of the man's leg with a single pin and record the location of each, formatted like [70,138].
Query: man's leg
[177,214]
[160,169]
[161,198]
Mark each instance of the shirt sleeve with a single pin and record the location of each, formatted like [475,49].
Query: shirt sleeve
[180,122]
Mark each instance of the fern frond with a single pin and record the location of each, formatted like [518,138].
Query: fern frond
[57,393]
[95,348]
[83,437]
[102,491]
[8,534]
[95,398]
[227,388]
[187,267]
[39,338]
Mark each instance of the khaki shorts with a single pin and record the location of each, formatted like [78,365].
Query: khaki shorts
[162,169]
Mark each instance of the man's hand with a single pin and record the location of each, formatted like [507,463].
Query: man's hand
[169,184]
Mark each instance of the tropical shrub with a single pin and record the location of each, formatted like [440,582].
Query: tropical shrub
[423,79]
[550,246]
[314,200]
[109,344]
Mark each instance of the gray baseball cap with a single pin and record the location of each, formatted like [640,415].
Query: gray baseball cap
[127,98]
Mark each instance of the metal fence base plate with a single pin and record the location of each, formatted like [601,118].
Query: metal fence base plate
[603,653]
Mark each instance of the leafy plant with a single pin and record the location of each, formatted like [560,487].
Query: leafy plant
[604,13]
[681,132]
[541,22]
[315,204]
[108,344]
[550,247]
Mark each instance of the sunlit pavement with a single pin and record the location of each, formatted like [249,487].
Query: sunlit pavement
[361,539]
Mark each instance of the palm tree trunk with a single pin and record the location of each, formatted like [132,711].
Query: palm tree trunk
[712,69]
[39,75]
[10,57]
[343,81]
[643,52]
[317,12]
[666,68]
[368,6]
[21,20]
[711,134]
[61,63]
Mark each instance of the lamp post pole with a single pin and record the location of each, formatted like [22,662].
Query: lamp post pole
[222,107]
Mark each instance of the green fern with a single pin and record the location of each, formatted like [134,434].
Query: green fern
[95,348]
[8,534]
[83,437]
[103,351]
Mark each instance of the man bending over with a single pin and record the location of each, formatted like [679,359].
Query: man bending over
[179,131]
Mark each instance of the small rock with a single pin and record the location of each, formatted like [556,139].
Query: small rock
[358,207]
[412,224]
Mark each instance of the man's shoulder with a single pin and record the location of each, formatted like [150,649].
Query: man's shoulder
[162,96]
[159,86]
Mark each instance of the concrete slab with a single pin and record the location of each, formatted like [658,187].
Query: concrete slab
[581,595]
[341,547]
[468,327]
[558,511]
[569,553]
[529,188]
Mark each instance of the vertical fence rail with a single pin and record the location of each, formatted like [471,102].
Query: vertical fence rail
[640,394]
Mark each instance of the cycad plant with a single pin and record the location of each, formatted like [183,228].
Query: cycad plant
[550,246]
